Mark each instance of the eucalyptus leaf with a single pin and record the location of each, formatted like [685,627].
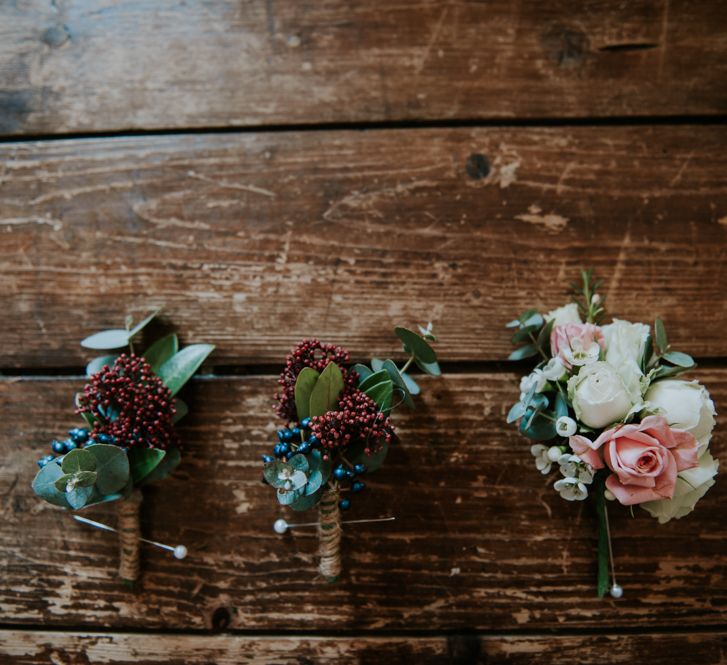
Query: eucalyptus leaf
[429,368]
[142,461]
[362,371]
[315,480]
[377,364]
[376,377]
[317,463]
[678,358]
[176,371]
[85,478]
[181,408]
[112,467]
[661,340]
[516,412]
[78,497]
[307,501]
[536,426]
[299,462]
[79,459]
[535,319]
[382,393]
[412,385]
[527,351]
[325,393]
[515,323]
[44,485]
[543,339]
[107,339]
[272,471]
[399,382]
[286,498]
[142,324]
[63,481]
[166,466]
[524,334]
[417,345]
[97,364]
[161,351]
[304,385]
[561,406]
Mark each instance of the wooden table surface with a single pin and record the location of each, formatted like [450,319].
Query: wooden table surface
[270,170]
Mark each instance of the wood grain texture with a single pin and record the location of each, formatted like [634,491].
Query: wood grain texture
[481,542]
[76,648]
[256,241]
[71,66]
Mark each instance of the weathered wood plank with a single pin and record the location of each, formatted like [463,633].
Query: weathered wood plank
[256,241]
[71,66]
[40,648]
[480,541]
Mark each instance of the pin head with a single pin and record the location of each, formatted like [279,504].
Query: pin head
[180,551]
[280,526]
[617,591]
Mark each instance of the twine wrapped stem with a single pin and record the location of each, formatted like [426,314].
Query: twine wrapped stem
[129,535]
[329,534]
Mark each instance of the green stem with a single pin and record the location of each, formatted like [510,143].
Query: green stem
[537,346]
[599,487]
[407,364]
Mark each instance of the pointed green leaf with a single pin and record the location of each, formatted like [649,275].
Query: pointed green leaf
[362,371]
[107,339]
[382,393]
[142,324]
[78,497]
[516,412]
[97,364]
[79,459]
[161,351]
[373,379]
[417,345]
[142,461]
[399,382]
[527,351]
[176,371]
[304,385]
[166,466]
[661,340]
[181,409]
[561,406]
[679,359]
[112,467]
[325,393]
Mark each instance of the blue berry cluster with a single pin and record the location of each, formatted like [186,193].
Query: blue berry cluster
[288,437]
[341,473]
[77,436]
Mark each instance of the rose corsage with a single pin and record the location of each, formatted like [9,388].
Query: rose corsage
[128,438]
[338,430]
[605,406]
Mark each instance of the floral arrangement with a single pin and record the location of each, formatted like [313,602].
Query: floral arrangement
[605,406]
[130,409]
[338,428]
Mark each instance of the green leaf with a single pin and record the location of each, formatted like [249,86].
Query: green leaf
[382,393]
[515,323]
[561,406]
[85,478]
[317,463]
[377,364]
[648,351]
[97,364]
[142,324]
[112,467]
[527,351]
[107,339]
[362,371]
[304,385]
[142,461]
[524,334]
[181,410]
[543,340]
[536,426]
[516,412]
[176,371]
[399,382]
[679,359]
[44,485]
[429,368]
[307,501]
[315,480]
[665,372]
[63,481]
[166,466]
[288,497]
[357,455]
[78,497]
[412,385]
[373,379]
[79,459]
[660,331]
[299,462]
[161,351]
[417,345]
[324,396]
[534,319]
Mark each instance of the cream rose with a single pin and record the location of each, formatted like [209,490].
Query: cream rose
[564,315]
[625,346]
[598,395]
[691,485]
[686,405]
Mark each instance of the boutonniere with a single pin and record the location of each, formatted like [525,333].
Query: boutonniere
[129,407]
[338,430]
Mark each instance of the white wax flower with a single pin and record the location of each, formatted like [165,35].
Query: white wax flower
[565,426]
[554,369]
[571,489]
[572,466]
[540,453]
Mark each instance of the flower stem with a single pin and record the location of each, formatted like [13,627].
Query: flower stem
[407,364]
[537,346]
[600,488]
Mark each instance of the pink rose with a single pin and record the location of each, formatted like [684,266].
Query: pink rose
[644,458]
[576,343]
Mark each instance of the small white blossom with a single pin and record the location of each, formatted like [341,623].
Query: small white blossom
[595,299]
[535,378]
[554,369]
[572,466]
[578,355]
[566,426]
[554,453]
[571,489]
[540,453]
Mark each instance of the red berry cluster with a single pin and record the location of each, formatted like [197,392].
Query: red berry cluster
[357,419]
[131,404]
[309,353]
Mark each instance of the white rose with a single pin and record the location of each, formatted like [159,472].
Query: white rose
[563,315]
[686,405]
[598,395]
[535,378]
[625,345]
[691,486]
